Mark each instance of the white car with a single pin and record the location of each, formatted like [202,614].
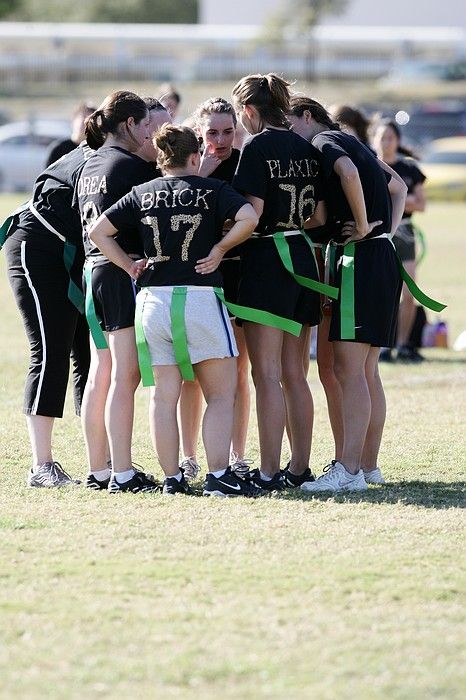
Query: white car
[24,146]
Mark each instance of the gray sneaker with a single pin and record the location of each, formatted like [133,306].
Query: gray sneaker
[50,475]
[240,466]
[190,468]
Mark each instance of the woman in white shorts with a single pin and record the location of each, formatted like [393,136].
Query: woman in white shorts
[179,219]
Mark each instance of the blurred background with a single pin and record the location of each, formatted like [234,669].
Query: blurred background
[401,60]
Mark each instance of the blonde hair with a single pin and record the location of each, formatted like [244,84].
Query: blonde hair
[175,144]
[269,94]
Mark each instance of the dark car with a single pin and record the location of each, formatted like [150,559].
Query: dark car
[427,124]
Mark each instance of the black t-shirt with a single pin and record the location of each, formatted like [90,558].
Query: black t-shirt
[106,177]
[178,220]
[59,149]
[409,172]
[283,170]
[332,145]
[53,197]
[225,171]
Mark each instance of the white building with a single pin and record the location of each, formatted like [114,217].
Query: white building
[389,13]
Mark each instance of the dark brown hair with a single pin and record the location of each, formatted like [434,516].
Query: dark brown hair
[300,104]
[114,110]
[354,118]
[269,94]
[214,105]
[402,150]
[175,144]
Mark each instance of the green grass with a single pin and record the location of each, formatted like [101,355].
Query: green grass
[356,596]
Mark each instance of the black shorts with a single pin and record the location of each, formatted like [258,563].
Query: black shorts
[230,269]
[371,302]
[265,284]
[405,242]
[114,294]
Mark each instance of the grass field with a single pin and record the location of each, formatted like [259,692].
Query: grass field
[290,598]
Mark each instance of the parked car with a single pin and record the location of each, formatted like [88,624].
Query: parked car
[23,150]
[444,165]
[434,122]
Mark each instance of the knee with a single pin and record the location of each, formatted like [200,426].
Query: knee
[267,375]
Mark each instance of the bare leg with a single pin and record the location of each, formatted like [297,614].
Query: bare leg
[306,363]
[93,408]
[119,409]
[378,412]
[350,360]
[218,381]
[40,434]
[407,311]
[265,351]
[298,398]
[190,411]
[163,419]
[325,363]
[243,396]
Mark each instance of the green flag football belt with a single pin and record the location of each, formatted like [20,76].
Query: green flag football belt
[347,319]
[284,252]
[75,294]
[178,329]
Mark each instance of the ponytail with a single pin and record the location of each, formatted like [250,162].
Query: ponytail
[114,110]
[269,94]
[300,104]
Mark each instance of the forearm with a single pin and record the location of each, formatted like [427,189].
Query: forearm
[352,189]
[239,233]
[111,249]
[398,207]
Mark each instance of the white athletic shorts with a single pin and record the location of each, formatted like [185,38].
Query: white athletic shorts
[208,328]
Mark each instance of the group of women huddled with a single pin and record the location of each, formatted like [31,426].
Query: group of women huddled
[195,260]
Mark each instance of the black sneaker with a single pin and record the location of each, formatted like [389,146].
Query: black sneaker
[276,483]
[172,486]
[138,483]
[230,485]
[385,355]
[295,480]
[95,484]
[50,475]
[409,355]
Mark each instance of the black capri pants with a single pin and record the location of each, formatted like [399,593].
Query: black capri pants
[54,327]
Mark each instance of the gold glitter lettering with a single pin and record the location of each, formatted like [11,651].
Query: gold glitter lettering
[178,219]
[154,224]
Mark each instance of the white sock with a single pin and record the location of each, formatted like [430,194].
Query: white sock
[178,476]
[123,477]
[218,473]
[265,477]
[102,474]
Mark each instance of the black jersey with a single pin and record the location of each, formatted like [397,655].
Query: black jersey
[227,168]
[283,170]
[332,145]
[178,220]
[225,171]
[410,174]
[52,198]
[106,177]
[59,149]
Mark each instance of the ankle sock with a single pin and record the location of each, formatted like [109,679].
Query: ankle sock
[265,477]
[218,473]
[178,476]
[123,477]
[101,474]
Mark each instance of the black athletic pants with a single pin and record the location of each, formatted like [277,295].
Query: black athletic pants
[54,327]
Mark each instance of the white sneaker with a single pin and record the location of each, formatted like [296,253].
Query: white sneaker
[335,479]
[374,476]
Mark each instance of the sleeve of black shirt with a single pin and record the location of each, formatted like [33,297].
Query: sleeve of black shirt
[125,213]
[330,151]
[251,174]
